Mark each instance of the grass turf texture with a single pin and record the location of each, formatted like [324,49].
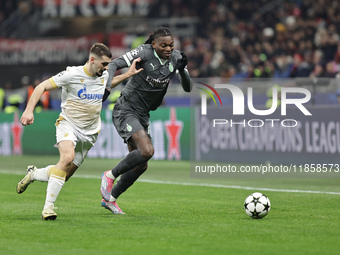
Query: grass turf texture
[165,219]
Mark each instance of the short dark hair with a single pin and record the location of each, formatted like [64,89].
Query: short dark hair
[100,50]
[161,31]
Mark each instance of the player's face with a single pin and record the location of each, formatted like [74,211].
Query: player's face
[100,64]
[164,46]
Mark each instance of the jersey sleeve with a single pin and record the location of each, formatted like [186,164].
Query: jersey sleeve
[61,79]
[124,61]
[134,54]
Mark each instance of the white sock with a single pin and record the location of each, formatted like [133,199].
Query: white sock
[110,175]
[42,174]
[112,199]
[55,184]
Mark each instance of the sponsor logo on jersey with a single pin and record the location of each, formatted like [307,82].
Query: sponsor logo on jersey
[83,95]
[153,66]
[156,83]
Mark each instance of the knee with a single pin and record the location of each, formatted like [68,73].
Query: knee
[66,161]
[147,152]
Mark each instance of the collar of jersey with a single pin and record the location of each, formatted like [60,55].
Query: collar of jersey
[160,61]
[87,71]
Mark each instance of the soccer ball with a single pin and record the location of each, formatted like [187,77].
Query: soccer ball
[257,205]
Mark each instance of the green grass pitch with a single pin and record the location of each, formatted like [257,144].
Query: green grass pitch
[167,212]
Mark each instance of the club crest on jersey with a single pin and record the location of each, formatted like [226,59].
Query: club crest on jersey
[83,95]
[171,67]
[128,128]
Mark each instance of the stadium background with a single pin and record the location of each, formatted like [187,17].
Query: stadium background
[290,43]
[256,43]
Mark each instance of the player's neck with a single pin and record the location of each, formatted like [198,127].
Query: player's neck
[161,60]
[87,69]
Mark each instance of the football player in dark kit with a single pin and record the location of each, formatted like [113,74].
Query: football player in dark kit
[143,93]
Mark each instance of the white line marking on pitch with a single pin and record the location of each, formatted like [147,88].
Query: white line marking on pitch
[193,184]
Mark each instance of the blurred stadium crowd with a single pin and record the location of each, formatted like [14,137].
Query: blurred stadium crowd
[233,39]
[246,39]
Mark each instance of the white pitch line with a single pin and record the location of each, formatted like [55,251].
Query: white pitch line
[237,187]
[15,172]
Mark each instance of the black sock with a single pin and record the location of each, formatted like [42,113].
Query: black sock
[133,159]
[126,180]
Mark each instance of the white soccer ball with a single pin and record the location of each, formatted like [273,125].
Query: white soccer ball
[257,205]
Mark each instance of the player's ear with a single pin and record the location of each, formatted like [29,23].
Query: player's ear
[153,44]
[91,59]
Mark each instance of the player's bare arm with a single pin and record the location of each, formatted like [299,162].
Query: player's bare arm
[131,72]
[27,118]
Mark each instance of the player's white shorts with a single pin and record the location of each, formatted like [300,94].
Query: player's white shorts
[82,143]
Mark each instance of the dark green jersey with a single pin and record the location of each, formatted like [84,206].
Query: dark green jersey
[145,90]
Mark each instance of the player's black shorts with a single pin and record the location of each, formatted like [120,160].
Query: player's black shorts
[127,122]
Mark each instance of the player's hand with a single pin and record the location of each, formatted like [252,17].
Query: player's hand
[181,63]
[133,70]
[27,118]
